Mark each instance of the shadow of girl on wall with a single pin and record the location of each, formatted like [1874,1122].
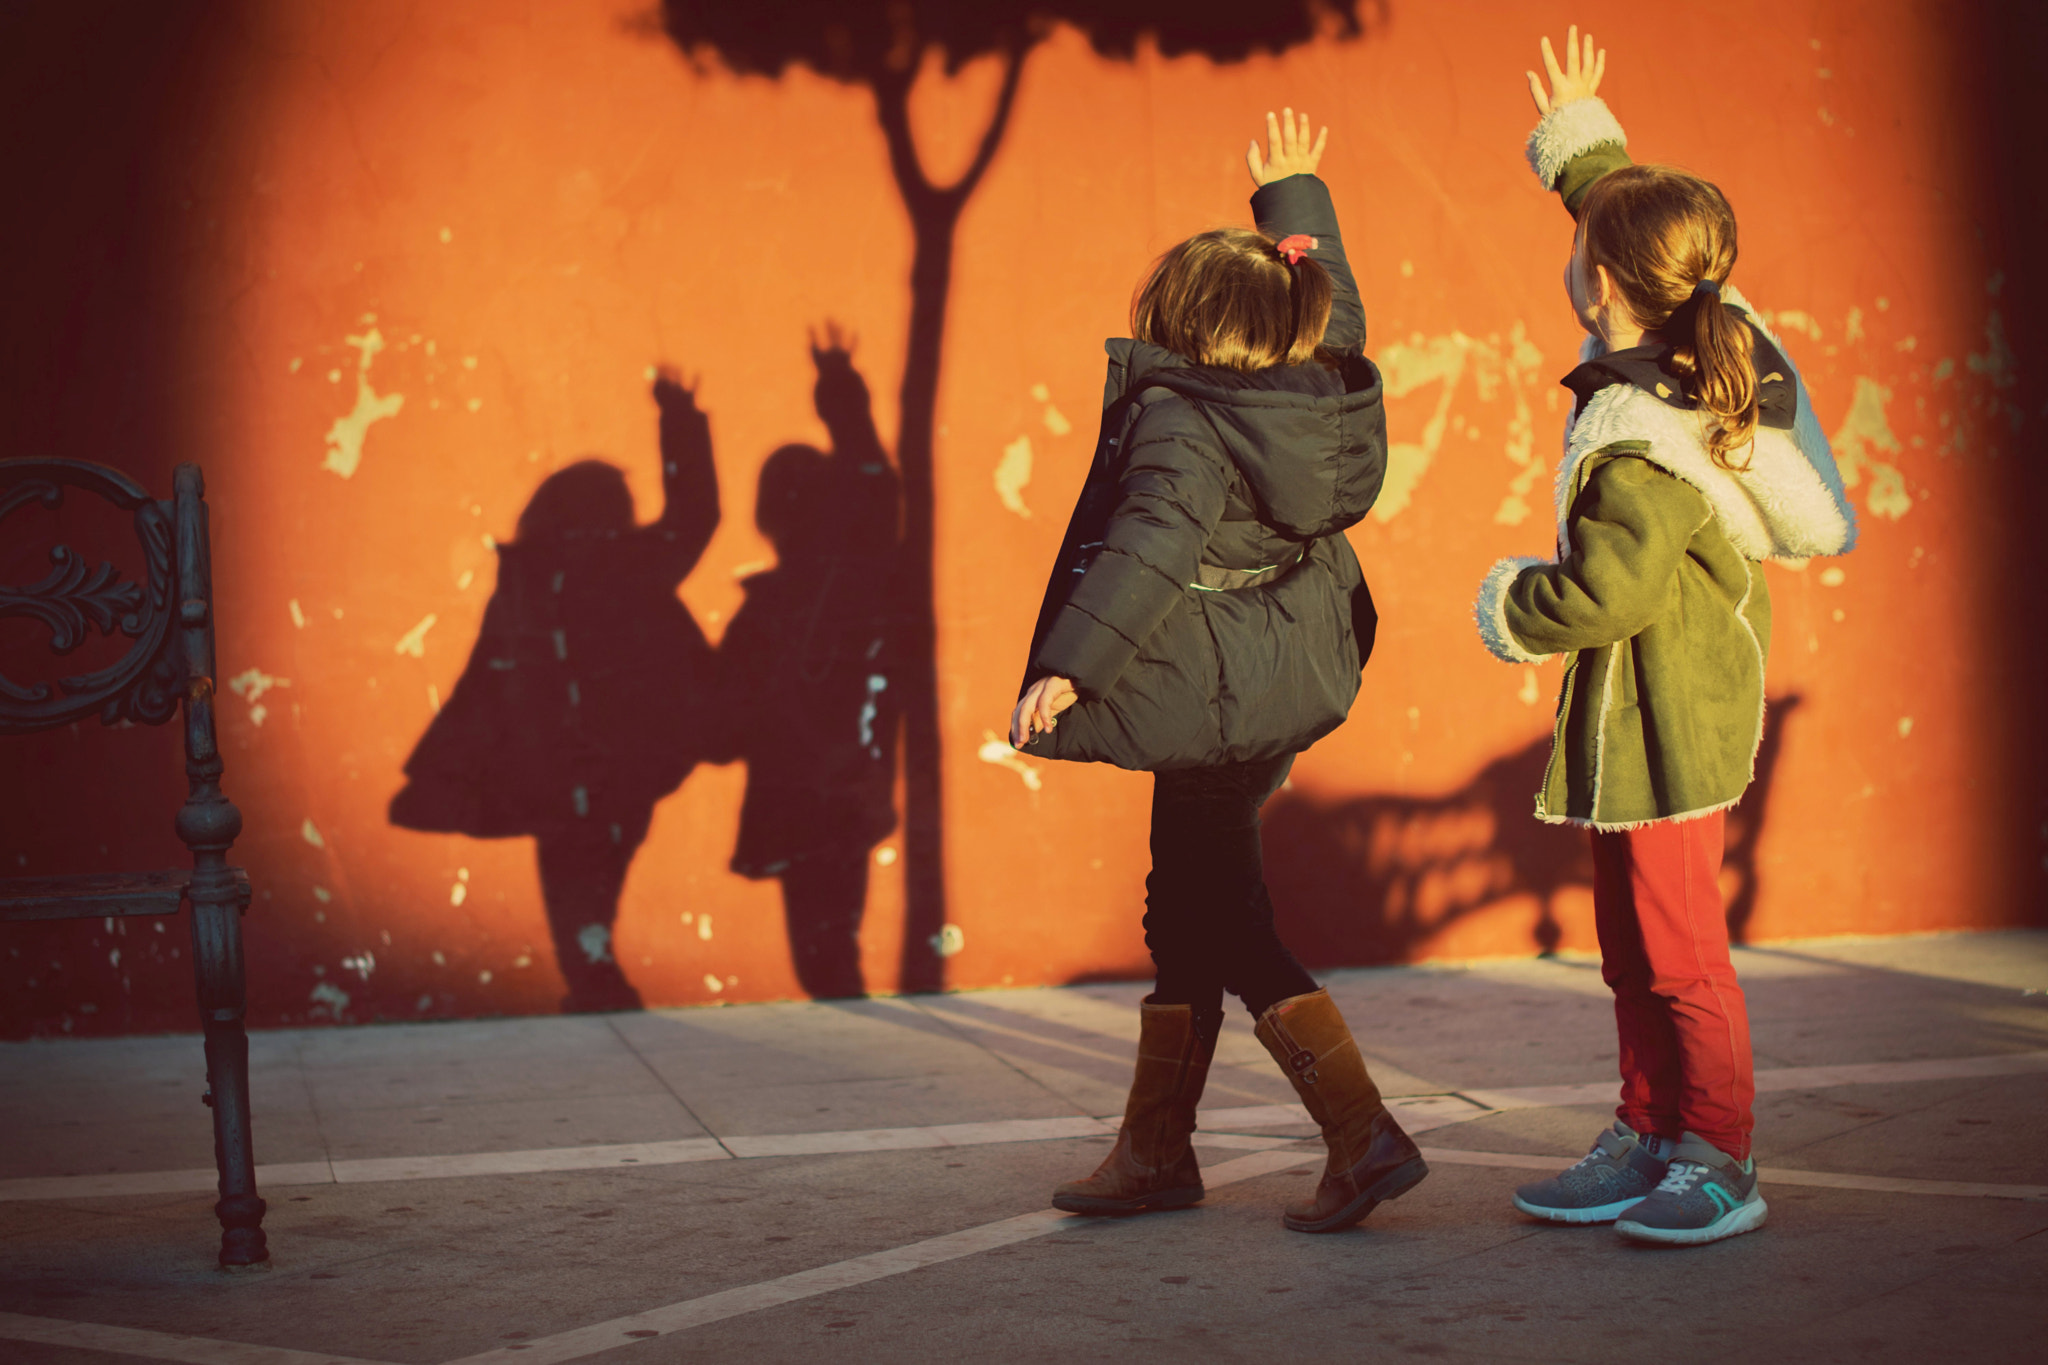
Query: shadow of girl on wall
[588,695]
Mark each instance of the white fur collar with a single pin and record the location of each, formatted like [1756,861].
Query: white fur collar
[1789,503]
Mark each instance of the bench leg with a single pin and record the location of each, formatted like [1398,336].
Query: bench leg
[217,956]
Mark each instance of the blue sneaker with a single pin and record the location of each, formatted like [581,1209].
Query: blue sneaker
[1607,1182]
[1706,1195]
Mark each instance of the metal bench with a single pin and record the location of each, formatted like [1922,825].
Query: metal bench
[169,669]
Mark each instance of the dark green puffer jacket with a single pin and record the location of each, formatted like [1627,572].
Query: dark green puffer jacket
[1205,602]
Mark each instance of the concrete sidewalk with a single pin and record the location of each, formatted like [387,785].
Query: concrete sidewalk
[868,1181]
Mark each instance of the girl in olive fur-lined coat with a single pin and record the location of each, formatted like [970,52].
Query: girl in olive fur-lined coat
[1692,455]
[1205,622]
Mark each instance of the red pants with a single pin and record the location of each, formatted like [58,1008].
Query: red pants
[1685,1064]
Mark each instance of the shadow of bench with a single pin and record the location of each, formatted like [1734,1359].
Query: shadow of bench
[168,670]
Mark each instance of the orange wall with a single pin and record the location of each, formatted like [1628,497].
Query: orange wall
[531,206]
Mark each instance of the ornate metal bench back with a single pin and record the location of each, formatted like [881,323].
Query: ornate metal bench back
[170,619]
[145,683]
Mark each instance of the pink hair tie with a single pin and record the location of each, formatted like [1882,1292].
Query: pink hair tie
[1295,247]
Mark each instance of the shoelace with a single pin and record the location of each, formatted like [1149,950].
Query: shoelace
[1678,1177]
[1599,1153]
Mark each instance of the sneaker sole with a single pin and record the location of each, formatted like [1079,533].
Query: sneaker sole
[1111,1208]
[1392,1185]
[1597,1213]
[1748,1218]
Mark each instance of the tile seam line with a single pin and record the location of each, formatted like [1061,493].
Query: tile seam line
[2035,1061]
[1007,1030]
[1036,1223]
[953,1026]
[611,1023]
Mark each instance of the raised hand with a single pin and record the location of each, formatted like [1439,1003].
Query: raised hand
[672,391]
[1287,149]
[1578,79]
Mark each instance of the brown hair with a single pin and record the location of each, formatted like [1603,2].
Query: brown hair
[1228,298]
[1660,232]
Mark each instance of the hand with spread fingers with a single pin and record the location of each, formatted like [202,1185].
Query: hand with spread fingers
[1288,150]
[1578,79]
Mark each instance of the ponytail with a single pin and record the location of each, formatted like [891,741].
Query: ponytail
[1668,240]
[1718,362]
[1311,292]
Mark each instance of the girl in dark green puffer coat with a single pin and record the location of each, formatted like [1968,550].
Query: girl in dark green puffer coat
[1205,622]
[1692,455]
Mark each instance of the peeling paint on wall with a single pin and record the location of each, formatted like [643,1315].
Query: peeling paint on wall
[414,641]
[1013,472]
[1865,431]
[998,751]
[596,942]
[330,999]
[250,685]
[1495,361]
[345,438]
[1055,421]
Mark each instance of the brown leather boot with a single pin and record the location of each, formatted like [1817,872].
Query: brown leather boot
[1370,1157]
[1152,1166]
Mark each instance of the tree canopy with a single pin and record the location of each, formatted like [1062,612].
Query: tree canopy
[859,40]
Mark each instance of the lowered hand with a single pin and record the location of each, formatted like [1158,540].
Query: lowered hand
[1039,708]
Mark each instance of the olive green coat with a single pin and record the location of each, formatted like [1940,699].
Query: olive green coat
[1657,595]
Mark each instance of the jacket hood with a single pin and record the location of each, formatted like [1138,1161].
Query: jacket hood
[1311,446]
[1788,504]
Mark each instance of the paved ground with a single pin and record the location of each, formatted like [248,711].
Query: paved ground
[868,1181]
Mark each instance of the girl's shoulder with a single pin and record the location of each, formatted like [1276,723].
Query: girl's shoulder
[1650,369]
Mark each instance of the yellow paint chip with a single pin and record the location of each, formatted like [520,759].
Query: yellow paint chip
[298,617]
[1832,577]
[704,928]
[1530,693]
[712,983]
[414,641]
[885,856]
[1013,472]
[1905,726]
[345,438]
[447,236]
[1864,434]
[310,832]
[999,753]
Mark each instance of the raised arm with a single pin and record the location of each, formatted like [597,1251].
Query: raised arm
[1577,140]
[1291,199]
[863,477]
[689,478]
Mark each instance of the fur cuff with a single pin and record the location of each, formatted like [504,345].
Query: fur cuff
[1491,611]
[1571,130]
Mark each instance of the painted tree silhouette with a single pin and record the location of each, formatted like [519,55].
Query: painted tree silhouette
[881,44]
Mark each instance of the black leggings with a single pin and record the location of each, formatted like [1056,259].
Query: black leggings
[1208,917]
